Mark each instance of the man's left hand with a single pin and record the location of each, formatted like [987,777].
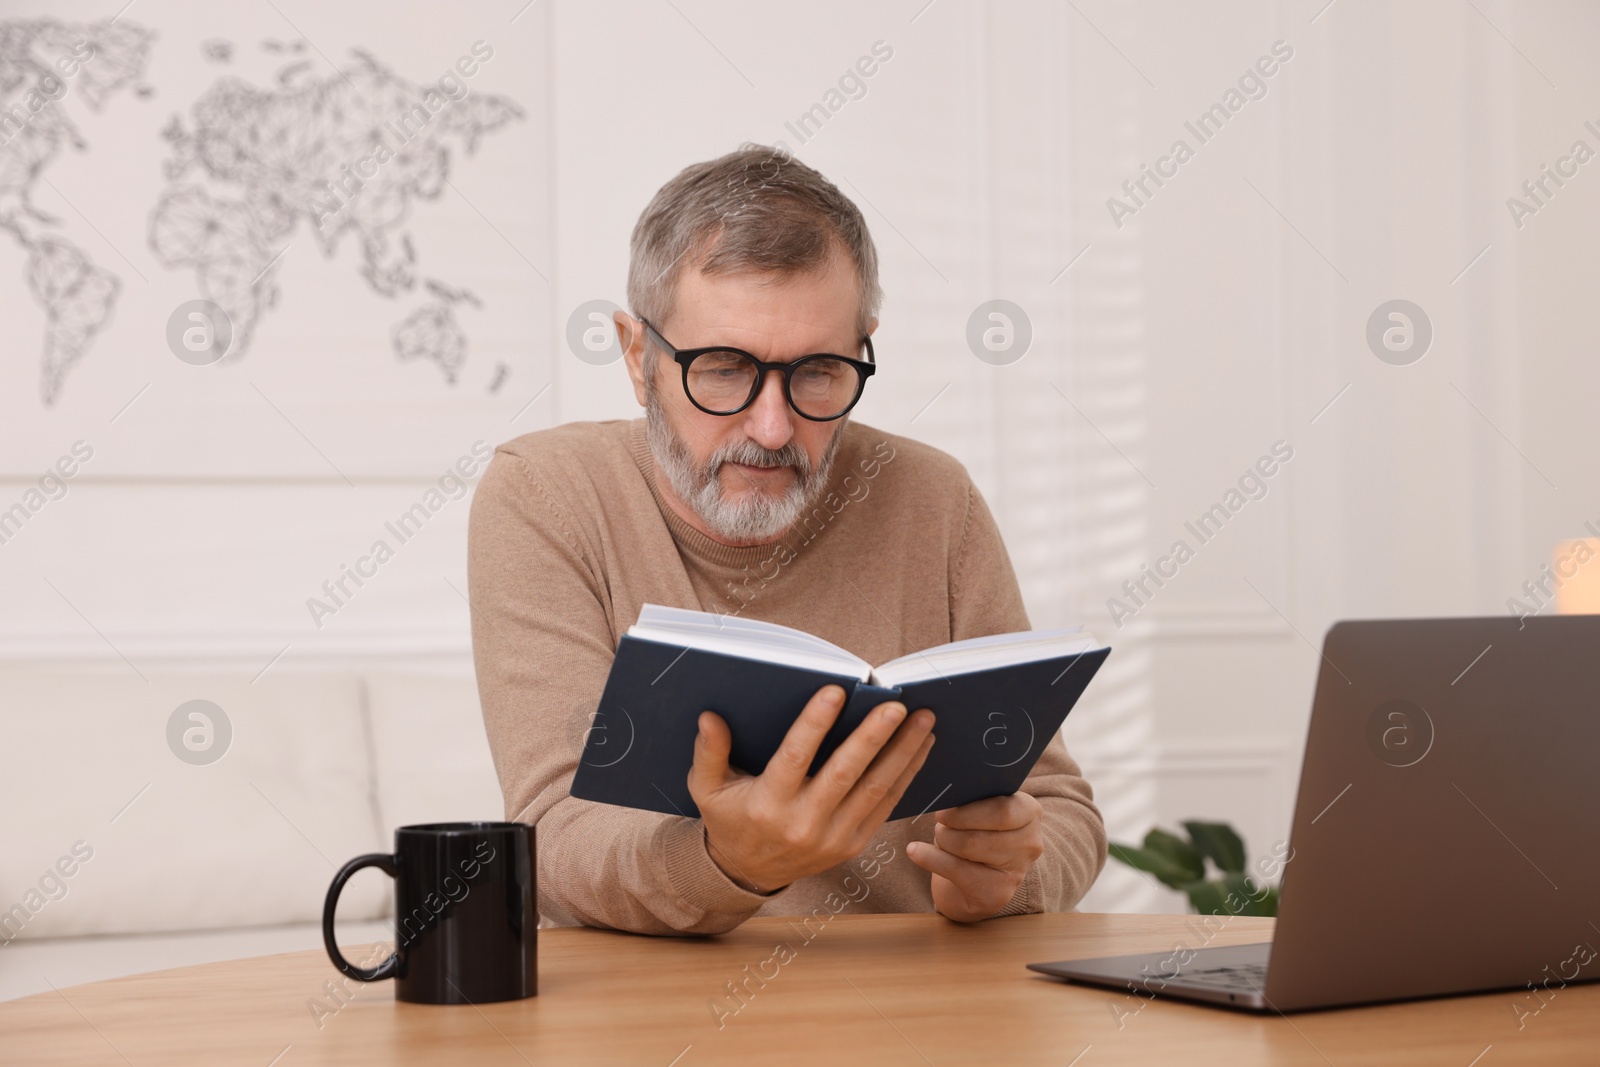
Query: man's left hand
[980,854]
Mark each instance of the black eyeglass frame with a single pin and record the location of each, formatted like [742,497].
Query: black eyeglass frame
[685,356]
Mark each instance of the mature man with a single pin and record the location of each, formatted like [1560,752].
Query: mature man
[746,490]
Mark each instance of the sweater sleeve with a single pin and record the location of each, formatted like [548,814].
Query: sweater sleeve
[985,599]
[541,641]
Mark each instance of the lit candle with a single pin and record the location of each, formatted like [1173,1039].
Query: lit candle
[1577,565]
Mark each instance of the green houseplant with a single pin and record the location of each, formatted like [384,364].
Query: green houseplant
[1182,864]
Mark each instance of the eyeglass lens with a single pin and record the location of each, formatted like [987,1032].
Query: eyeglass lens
[723,381]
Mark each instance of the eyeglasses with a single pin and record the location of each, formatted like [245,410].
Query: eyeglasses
[724,381]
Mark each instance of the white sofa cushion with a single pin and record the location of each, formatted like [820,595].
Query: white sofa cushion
[252,839]
[431,751]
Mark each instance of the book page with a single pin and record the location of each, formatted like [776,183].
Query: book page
[750,638]
[983,653]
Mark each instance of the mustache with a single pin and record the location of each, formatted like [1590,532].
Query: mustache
[750,454]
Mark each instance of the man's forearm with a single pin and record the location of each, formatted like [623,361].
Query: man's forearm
[632,870]
[1075,851]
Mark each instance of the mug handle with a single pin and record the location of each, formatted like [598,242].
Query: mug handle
[384,862]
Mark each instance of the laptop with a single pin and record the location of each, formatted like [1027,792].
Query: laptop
[1446,838]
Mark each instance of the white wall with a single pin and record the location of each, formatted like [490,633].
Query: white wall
[1221,318]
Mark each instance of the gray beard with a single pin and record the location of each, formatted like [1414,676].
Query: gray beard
[756,519]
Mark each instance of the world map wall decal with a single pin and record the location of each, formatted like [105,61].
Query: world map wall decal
[334,158]
[42,63]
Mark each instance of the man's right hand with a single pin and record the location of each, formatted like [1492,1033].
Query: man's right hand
[768,830]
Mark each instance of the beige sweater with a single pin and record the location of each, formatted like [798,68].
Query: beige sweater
[569,536]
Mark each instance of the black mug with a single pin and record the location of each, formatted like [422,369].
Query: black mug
[466,921]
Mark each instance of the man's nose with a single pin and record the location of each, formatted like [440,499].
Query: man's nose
[767,420]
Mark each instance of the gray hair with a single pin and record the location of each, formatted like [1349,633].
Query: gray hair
[755,210]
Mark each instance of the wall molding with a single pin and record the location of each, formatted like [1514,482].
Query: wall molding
[210,648]
[1186,757]
[1204,623]
[1220,621]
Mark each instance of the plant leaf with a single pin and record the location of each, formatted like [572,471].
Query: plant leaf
[1219,842]
[1144,859]
[1232,894]
[1179,851]
[1246,896]
[1206,897]
[1265,902]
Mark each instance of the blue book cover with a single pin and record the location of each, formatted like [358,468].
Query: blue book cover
[992,723]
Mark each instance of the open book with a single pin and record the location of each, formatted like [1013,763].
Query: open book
[998,700]
[771,643]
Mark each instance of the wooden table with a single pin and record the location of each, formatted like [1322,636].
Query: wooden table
[870,989]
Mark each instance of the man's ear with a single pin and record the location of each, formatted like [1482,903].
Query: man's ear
[872,327]
[630,334]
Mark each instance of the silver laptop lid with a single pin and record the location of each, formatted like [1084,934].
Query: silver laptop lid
[1447,833]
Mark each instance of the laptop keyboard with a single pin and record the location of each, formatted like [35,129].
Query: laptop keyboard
[1243,978]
